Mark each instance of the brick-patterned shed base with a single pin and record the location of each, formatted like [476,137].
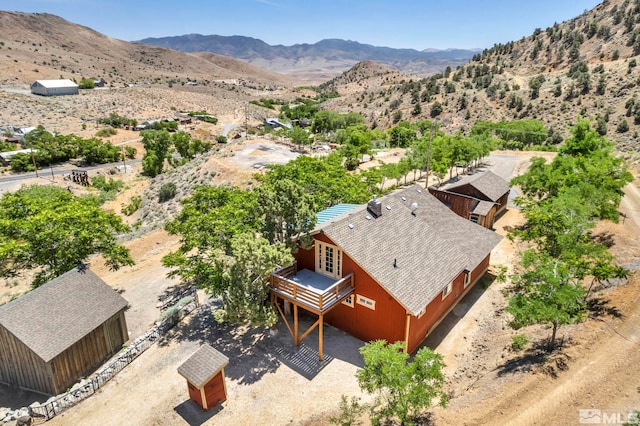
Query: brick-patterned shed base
[204,372]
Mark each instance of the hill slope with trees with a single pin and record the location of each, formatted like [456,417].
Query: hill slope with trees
[586,66]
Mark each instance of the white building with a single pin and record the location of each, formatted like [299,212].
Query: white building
[54,87]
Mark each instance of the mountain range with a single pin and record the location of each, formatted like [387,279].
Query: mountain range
[325,58]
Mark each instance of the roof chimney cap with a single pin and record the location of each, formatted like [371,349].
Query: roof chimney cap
[414,207]
[375,207]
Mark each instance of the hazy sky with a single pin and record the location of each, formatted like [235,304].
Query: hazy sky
[417,24]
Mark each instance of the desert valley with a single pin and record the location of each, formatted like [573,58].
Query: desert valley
[287,217]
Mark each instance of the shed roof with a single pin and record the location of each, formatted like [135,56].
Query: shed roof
[51,84]
[56,315]
[483,207]
[429,248]
[205,363]
[488,183]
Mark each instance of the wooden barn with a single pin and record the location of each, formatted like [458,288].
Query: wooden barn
[391,269]
[204,371]
[479,198]
[54,87]
[60,332]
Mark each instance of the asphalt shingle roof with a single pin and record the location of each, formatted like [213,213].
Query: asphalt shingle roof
[205,363]
[429,248]
[56,315]
[490,184]
[483,208]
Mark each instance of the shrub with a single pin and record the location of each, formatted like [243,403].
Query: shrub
[101,183]
[519,341]
[130,152]
[167,192]
[132,207]
[221,139]
[86,83]
[623,127]
[108,188]
[350,411]
[106,132]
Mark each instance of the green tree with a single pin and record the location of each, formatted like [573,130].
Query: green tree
[357,139]
[402,135]
[585,161]
[561,202]
[287,212]
[436,109]
[534,84]
[325,178]
[86,83]
[402,389]
[208,220]
[298,136]
[48,229]
[547,292]
[156,144]
[240,279]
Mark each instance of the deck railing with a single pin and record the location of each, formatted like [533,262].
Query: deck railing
[319,300]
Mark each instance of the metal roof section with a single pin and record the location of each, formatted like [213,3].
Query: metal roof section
[334,211]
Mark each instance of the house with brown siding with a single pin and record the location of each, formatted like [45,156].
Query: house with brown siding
[60,332]
[479,198]
[391,269]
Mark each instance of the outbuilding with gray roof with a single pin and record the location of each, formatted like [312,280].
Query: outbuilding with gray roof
[60,331]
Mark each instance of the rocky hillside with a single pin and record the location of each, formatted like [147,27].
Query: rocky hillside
[586,66]
[41,46]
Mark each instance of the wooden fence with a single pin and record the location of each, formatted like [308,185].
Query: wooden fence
[88,387]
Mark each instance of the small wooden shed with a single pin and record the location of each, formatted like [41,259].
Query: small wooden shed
[204,372]
[60,332]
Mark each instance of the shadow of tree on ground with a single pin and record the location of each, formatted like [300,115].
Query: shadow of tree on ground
[539,358]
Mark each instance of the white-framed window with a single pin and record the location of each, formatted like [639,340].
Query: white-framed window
[328,260]
[474,218]
[348,301]
[447,290]
[366,302]
[467,278]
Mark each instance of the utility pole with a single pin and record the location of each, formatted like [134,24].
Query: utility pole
[246,121]
[33,159]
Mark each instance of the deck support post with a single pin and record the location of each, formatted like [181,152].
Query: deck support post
[320,338]
[295,324]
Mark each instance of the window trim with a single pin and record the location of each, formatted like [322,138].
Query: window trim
[366,302]
[447,290]
[349,300]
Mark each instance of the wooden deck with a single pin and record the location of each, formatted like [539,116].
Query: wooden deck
[308,295]
[310,291]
